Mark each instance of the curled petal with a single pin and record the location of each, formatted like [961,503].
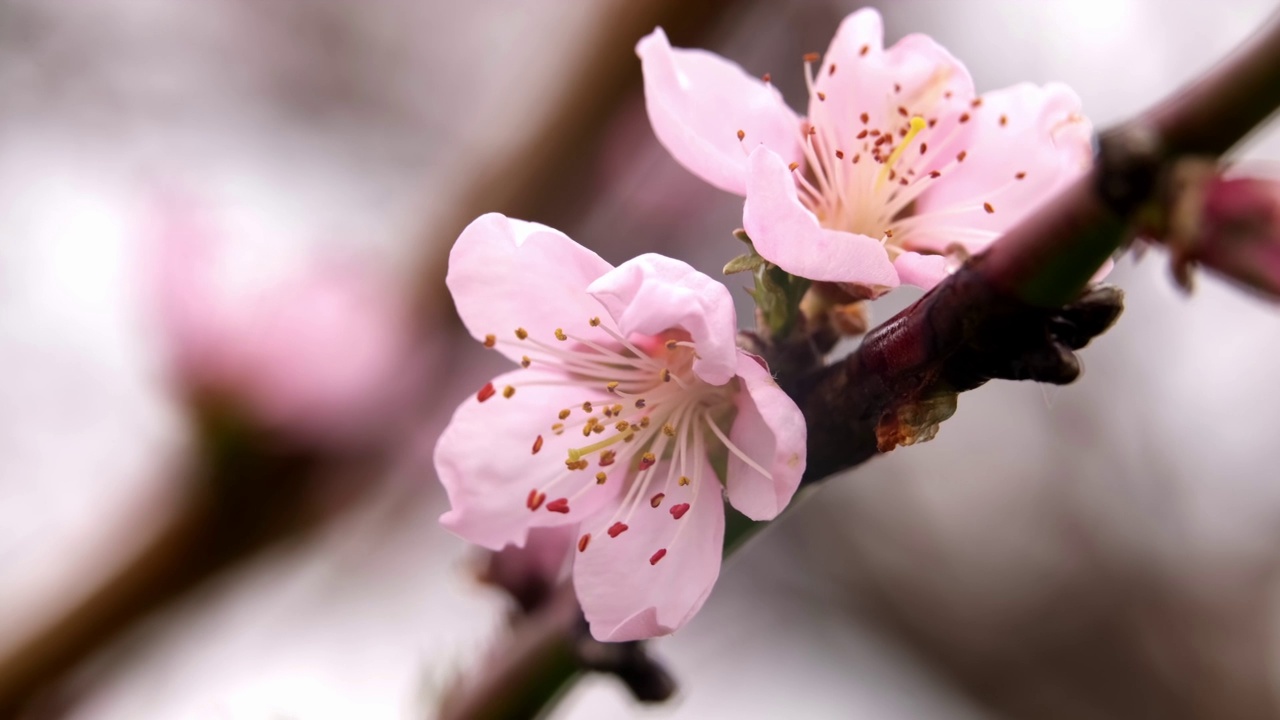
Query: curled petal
[923,271]
[698,101]
[1028,142]
[652,578]
[770,430]
[506,274]
[786,234]
[651,294]
[485,461]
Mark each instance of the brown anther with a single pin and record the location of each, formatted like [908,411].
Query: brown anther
[987,206]
[976,102]
[583,542]
[656,500]
[535,499]
[644,421]
[960,156]
[559,505]
[598,429]
[767,78]
[935,174]
[665,375]
[525,361]
[821,96]
[792,167]
[888,233]
[623,426]
[668,429]
[839,154]
[856,157]
[865,49]
[654,558]
[902,181]
[611,386]
[617,529]
[629,437]
[586,406]
[832,69]
[508,391]
[607,457]
[560,335]
[601,477]
[932,122]
[893,175]
[1004,120]
[863,133]
[537,445]
[903,111]
[683,481]
[678,511]
[924,147]
[1019,176]
[617,410]
[608,412]
[564,414]
[640,403]
[490,340]
[671,345]
[865,118]
[594,322]
[897,88]
[812,131]
[558,428]
[647,461]
[964,118]
[811,57]
[486,392]
[742,135]
[875,132]
[521,333]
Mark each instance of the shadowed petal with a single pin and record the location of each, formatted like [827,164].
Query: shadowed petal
[625,594]
[771,431]
[923,271]
[786,234]
[697,103]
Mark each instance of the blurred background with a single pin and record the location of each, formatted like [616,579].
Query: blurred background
[1106,550]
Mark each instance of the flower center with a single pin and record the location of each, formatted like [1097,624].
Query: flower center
[645,420]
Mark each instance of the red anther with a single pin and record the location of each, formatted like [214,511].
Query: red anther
[559,505]
[658,556]
[646,461]
[607,457]
[988,208]
[678,511]
[831,70]
[582,542]
[486,392]
[865,49]
[535,499]
[656,500]
[617,529]
[811,57]
[537,445]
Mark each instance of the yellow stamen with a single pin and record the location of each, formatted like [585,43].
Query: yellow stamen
[917,124]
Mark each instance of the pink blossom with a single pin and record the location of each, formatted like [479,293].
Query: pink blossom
[320,353]
[898,171]
[631,394]
[1232,226]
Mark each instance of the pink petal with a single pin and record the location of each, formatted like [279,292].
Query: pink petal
[771,431]
[486,463]
[1044,137]
[506,274]
[626,596]
[916,74]
[697,103]
[786,234]
[923,271]
[652,293]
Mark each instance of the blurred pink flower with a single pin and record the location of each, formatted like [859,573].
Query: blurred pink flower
[1232,226]
[320,354]
[897,166]
[632,393]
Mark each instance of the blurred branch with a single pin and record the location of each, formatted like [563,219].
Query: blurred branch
[1014,312]
[246,495]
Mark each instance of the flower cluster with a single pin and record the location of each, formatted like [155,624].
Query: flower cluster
[633,414]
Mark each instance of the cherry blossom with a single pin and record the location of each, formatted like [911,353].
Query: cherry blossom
[899,171]
[632,414]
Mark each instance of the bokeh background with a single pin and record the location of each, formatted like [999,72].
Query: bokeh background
[1106,550]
